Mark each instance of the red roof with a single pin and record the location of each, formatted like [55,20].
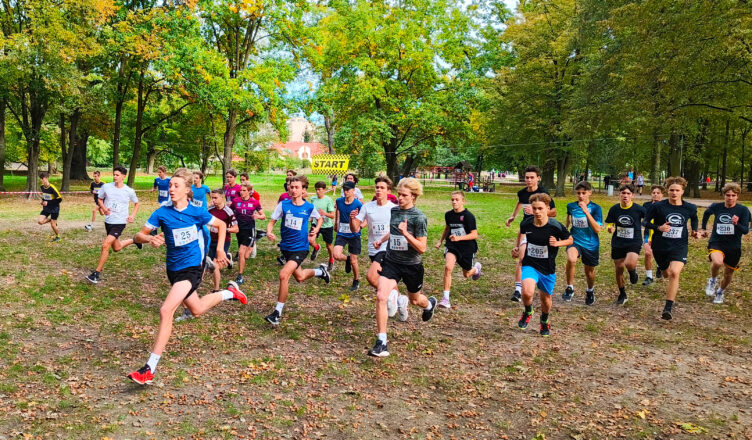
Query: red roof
[300,150]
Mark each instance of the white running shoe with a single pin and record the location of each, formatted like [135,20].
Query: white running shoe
[402,303]
[477,273]
[718,297]
[444,303]
[253,252]
[391,303]
[88,227]
[710,287]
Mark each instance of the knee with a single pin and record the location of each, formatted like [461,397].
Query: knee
[165,313]
[382,296]
[414,300]
[40,222]
[298,277]
[448,269]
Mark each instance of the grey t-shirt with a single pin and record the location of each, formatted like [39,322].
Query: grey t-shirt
[399,250]
[117,200]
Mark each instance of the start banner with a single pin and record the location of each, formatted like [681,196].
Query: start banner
[330,163]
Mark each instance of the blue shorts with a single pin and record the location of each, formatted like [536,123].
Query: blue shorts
[589,257]
[544,282]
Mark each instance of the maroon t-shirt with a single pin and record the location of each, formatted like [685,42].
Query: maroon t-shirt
[226,215]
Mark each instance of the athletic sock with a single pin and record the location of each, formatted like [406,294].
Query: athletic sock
[226,295]
[570,286]
[331,260]
[518,286]
[622,290]
[590,289]
[529,309]
[649,273]
[279,307]
[153,361]
[318,272]
[544,317]
[446,294]
[714,279]
[669,304]
[317,246]
[382,337]
[429,306]
[721,290]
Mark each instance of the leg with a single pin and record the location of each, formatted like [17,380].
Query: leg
[53,224]
[673,272]
[590,276]
[118,244]
[449,261]
[301,274]
[338,254]
[572,255]
[716,263]
[243,253]
[528,290]
[42,220]
[284,280]
[648,256]
[630,262]
[385,286]
[166,312]
[355,267]
[373,274]
[417,299]
[546,302]
[93,215]
[728,274]
[619,272]
[199,306]
[330,249]
[106,245]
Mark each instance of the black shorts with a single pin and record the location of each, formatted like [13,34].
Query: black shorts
[620,253]
[327,234]
[378,258]
[663,258]
[410,274]
[116,230]
[213,249]
[589,257]
[96,198]
[466,261]
[246,237]
[51,214]
[296,256]
[192,274]
[353,244]
[731,256]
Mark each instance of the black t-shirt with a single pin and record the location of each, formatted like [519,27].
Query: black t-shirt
[461,224]
[94,188]
[523,196]
[677,216]
[628,223]
[725,232]
[539,255]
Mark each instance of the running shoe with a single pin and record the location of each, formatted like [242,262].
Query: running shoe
[379,349]
[516,296]
[589,298]
[444,303]
[428,314]
[253,252]
[647,282]
[524,319]
[281,260]
[622,299]
[315,252]
[237,294]
[330,266]
[139,246]
[711,287]
[154,232]
[56,239]
[718,297]
[568,294]
[391,303]
[325,274]
[273,318]
[633,278]
[93,277]
[186,315]
[229,261]
[476,275]
[667,314]
[545,329]
[142,376]
[239,279]
[658,274]
[88,227]
[348,265]
[355,285]
[402,310]
[209,263]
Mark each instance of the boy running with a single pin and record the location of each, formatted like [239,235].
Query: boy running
[408,237]
[51,199]
[544,237]
[670,219]
[725,244]
[656,192]
[625,221]
[162,184]
[532,181]
[114,199]
[232,189]
[350,177]
[325,206]
[460,233]
[181,225]
[243,179]
[586,220]
[295,214]
[200,191]
[247,211]
[94,190]
[346,208]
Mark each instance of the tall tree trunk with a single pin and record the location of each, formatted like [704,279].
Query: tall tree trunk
[66,151]
[562,171]
[727,139]
[407,165]
[231,126]
[329,133]
[674,156]
[33,138]
[139,133]
[151,158]
[655,173]
[741,173]
[116,133]
[205,153]
[78,165]
[3,103]
[390,157]
[547,170]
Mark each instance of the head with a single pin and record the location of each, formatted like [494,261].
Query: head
[118,174]
[291,173]
[161,172]
[583,190]
[218,198]
[382,186]
[295,187]
[656,192]
[320,189]
[97,176]
[350,177]
[180,185]
[198,178]
[532,176]
[243,178]
[349,189]
[626,194]
[246,190]
[458,200]
[539,203]
[44,176]
[408,191]
[731,194]
[231,175]
[676,187]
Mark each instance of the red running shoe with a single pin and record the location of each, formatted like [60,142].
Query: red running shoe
[238,294]
[143,376]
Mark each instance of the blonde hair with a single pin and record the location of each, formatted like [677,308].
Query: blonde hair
[676,181]
[412,184]
[187,176]
[731,186]
[459,193]
[248,186]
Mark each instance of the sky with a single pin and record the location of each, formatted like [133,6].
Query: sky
[511,4]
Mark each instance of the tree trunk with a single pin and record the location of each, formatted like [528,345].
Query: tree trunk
[116,133]
[741,173]
[231,127]
[329,133]
[137,140]
[33,146]
[562,171]
[2,144]
[78,165]
[725,154]
[655,174]
[66,152]
[547,170]
[674,155]
[205,153]
[151,159]
[390,157]
[408,164]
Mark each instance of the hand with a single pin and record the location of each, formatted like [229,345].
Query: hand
[157,240]
[313,233]
[438,245]
[610,229]
[221,259]
[354,213]
[454,238]
[377,244]
[582,206]
[271,236]
[106,211]
[515,252]
[527,209]
[702,233]
[735,219]
[44,202]
[552,241]
[665,227]
[101,211]
[509,221]
[403,227]
[130,219]
[322,213]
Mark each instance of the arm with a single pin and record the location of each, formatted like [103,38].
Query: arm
[514,214]
[443,236]
[591,221]
[259,215]
[132,217]
[569,221]
[693,221]
[143,236]
[552,212]
[705,218]
[336,218]
[743,222]
[315,230]
[473,235]
[417,243]
[269,229]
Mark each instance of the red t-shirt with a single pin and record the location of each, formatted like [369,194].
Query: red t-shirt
[226,215]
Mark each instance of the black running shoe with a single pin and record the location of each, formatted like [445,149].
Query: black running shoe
[348,265]
[93,277]
[667,314]
[658,274]
[524,320]
[330,266]
[138,245]
[545,329]
[379,349]
[315,252]
[516,296]
[647,282]
[154,232]
[622,299]
[589,298]
[325,275]
[273,318]
[281,260]
[568,294]
[633,276]
[239,279]
[355,285]
[428,314]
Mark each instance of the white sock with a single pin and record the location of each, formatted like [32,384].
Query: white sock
[649,273]
[279,307]
[226,295]
[318,272]
[518,287]
[590,289]
[714,279]
[382,337]
[571,286]
[429,306]
[153,361]
[446,294]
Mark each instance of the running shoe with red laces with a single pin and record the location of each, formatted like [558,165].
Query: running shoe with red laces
[524,320]
[237,293]
[143,376]
[545,329]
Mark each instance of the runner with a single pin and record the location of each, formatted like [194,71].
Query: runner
[199,191]
[408,236]
[334,183]
[51,199]
[180,223]
[670,221]
[94,190]
[350,177]
[532,181]
[162,185]
[625,221]
[461,234]
[586,220]
[544,238]
[725,244]
[640,183]
[232,189]
[656,192]
[346,208]
[288,175]
[325,206]
[114,199]
[295,214]
[247,211]
[376,215]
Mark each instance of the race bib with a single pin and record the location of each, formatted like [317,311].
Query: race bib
[197,203]
[46,196]
[163,193]
[397,243]
[115,207]
[724,229]
[183,236]
[536,251]
[627,233]
[674,232]
[344,228]
[379,229]
[579,222]
[293,222]
[95,191]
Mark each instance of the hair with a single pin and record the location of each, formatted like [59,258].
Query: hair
[583,185]
[162,168]
[294,173]
[120,169]
[676,181]
[96,173]
[302,179]
[459,193]
[232,172]
[660,187]
[384,179]
[248,186]
[187,176]
[44,175]
[199,174]
[218,191]
[412,184]
[627,186]
[731,186]
[540,197]
[533,169]
[320,184]
[355,177]
[244,175]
